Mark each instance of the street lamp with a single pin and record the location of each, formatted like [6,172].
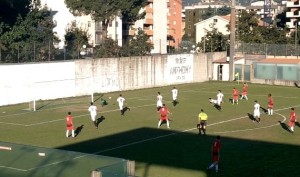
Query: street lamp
[83,53]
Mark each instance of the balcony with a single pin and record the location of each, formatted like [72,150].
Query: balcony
[171,32]
[148,21]
[149,32]
[293,4]
[294,14]
[149,9]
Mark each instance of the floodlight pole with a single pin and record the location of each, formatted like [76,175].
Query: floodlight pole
[232,40]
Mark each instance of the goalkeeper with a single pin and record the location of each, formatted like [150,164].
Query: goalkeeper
[103,102]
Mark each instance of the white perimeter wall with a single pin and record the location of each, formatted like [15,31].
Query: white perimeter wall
[26,82]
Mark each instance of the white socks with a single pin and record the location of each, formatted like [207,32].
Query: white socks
[67,133]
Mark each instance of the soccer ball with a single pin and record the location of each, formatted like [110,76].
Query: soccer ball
[109,97]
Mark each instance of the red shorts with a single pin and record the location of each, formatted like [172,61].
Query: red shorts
[244,93]
[291,124]
[235,97]
[70,127]
[216,157]
[270,106]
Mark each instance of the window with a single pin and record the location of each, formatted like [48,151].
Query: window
[117,24]
[189,27]
[215,20]
[174,22]
[89,24]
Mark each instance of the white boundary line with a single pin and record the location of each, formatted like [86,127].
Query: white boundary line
[18,169]
[56,120]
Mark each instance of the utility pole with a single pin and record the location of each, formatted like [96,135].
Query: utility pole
[232,40]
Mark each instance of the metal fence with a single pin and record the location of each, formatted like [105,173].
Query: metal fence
[268,49]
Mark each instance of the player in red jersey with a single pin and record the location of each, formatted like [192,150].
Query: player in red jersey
[270,104]
[164,115]
[245,91]
[215,149]
[293,119]
[235,96]
[70,126]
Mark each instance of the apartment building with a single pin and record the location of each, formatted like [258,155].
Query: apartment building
[267,12]
[195,13]
[154,24]
[174,23]
[216,22]
[293,8]
[163,18]
[64,20]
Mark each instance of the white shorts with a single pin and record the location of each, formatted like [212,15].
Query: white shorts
[159,104]
[256,114]
[121,106]
[93,117]
[174,97]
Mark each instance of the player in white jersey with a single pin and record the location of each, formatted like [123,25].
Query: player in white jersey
[220,97]
[159,101]
[256,112]
[121,101]
[93,111]
[174,96]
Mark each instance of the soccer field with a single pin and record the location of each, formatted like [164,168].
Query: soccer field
[265,149]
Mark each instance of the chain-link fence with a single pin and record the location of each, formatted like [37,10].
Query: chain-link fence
[46,51]
[268,49]
[37,53]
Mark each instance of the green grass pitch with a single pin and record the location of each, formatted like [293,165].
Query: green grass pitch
[265,149]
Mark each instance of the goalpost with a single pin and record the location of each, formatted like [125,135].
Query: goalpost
[38,100]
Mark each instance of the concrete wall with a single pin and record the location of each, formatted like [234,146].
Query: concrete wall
[26,82]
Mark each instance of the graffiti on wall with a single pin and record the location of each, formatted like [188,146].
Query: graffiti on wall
[180,68]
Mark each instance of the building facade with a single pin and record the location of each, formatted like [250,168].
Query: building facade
[293,8]
[174,24]
[216,22]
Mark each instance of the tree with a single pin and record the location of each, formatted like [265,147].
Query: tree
[210,12]
[273,35]
[139,45]
[247,28]
[108,49]
[11,9]
[75,38]
[104,11]
[281,19]
[225,10]
[31,37]
[213,41]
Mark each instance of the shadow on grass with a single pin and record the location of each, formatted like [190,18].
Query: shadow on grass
[297,124]
[152,147]
[251,117]
[217,107]
[264,110]
[100,120]
[284,126]
[78,130]
[124,110]
[158,151]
